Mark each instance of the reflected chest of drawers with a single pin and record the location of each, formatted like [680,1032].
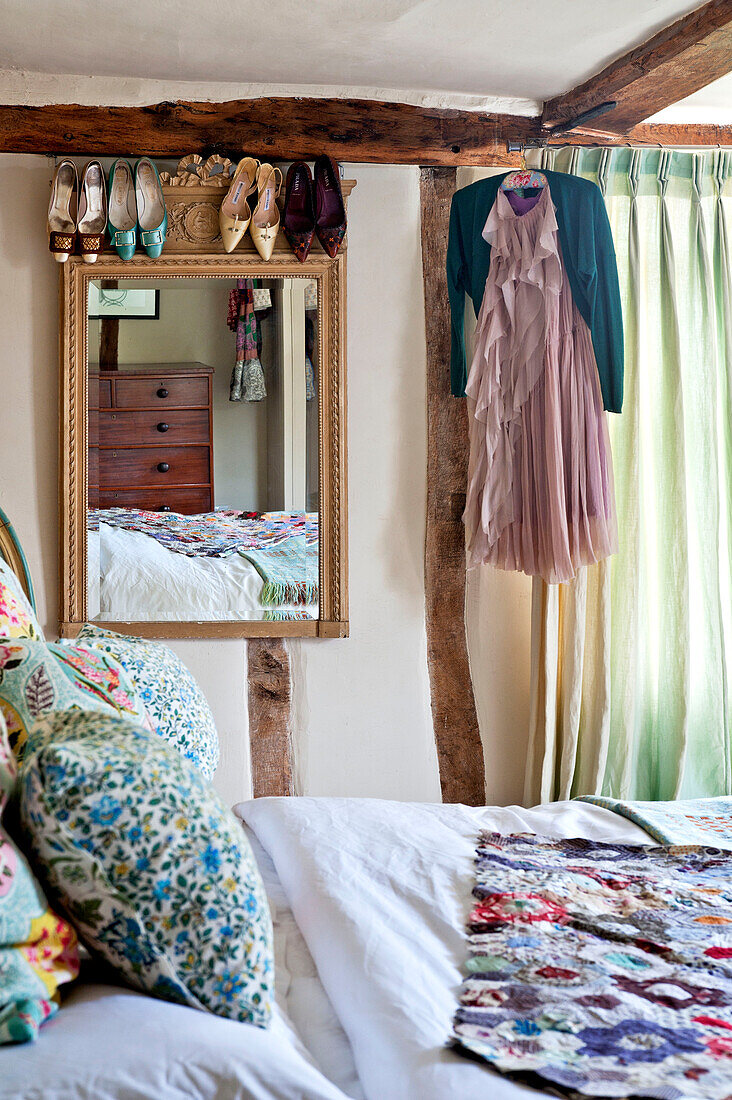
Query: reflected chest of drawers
[151,437]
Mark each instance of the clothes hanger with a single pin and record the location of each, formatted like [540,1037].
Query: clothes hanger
[524,179]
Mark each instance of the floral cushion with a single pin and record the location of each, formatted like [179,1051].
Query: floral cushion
[173,699]
[156,873]
[38,950]
[36,677]
[17,618]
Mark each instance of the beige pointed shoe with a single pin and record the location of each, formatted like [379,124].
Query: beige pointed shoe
[235,215]
[62,211]
[265,223]
[92,211]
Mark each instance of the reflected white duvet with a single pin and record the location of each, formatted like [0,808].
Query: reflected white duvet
[133,577]
[381,892]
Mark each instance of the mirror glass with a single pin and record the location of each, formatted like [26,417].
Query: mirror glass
[203,475]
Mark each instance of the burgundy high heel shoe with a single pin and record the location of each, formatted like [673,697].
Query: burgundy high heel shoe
[330,210]
[299,214]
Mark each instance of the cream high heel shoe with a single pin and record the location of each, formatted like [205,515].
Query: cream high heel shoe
[265,223]
[92,211]
[62,211]
[235,215]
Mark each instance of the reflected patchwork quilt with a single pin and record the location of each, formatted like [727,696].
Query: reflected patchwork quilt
[211,534]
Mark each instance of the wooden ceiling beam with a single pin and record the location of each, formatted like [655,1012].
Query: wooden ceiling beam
[652,133]
[679,60]
[286,128]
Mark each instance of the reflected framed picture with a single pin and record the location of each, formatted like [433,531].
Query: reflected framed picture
[134,305]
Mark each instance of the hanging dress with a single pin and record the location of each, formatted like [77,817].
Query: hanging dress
[540,487]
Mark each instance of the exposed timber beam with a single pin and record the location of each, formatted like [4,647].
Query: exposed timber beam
[457,736]
[679,60]
[289,128]
[285,128]
[270,716]
[652,133]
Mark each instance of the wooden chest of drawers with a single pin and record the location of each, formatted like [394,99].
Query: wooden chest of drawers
[151,437]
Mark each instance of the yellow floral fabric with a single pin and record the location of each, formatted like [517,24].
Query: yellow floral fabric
[38,950]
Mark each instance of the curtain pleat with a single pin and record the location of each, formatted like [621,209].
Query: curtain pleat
[631,662]
[628,565]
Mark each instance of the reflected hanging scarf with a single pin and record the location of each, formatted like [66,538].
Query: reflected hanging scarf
[247,380]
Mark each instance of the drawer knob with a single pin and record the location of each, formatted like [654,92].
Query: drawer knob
[162,392]
[162,426]
[163,467]
[164,508]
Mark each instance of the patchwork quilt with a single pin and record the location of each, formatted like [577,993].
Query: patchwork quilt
[688,821]
[601,969]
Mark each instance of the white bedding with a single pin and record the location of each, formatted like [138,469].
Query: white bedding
[300,993]
[142,580]
[110,1043]
[381,891]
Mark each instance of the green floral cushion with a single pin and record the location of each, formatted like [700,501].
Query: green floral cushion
[155,872]
[173,699]
[37,677]
[17,618]
[38,950]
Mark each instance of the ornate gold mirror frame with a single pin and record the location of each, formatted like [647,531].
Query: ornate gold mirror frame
[330,276]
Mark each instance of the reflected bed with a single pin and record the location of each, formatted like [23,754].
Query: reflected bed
[219,565]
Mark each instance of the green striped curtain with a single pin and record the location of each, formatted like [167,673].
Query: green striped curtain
[632,664]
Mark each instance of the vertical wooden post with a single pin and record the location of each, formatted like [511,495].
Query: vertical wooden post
[109,335]
[459,747]
[269,716]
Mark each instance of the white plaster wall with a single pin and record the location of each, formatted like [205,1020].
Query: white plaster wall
[362,705]
[28,372]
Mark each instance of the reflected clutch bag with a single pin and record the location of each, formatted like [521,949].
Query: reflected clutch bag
[236,389]
[254,387]
[262,297]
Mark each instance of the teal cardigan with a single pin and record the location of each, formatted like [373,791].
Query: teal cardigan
[589,260]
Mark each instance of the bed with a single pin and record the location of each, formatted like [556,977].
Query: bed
[134,575]
[369,900]
[356,886]
[113,1043]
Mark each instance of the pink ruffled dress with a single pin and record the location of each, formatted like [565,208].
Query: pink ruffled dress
[540,487]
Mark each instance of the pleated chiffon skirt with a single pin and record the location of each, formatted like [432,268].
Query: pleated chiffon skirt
[540,487]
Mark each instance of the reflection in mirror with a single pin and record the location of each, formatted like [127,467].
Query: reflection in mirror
[203,449]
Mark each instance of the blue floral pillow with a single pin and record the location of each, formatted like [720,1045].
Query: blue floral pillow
[156,874]
[172,697]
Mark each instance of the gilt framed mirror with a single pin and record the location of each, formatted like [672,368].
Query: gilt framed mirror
[203,446]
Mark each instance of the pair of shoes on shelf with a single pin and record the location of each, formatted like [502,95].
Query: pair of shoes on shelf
[136,209]
[314,208]
[235,214]
[77,212]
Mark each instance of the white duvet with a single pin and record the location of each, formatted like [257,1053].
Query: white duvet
[381,891]
[110,1043]
[134,578]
